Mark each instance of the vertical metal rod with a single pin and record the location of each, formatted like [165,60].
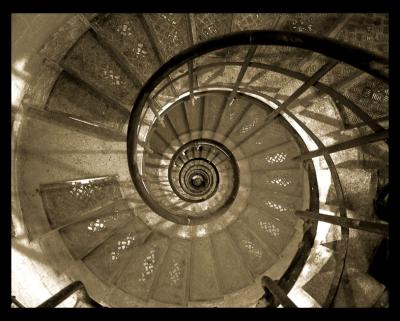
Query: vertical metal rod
[62,295]
[271,286]
[246,109]
[153,108]
[367,139]
[219,119]
[173,129]
[249,56]
[190,69]
[310,82]
[374,227]
[16,302]
[145,147]
[342,251]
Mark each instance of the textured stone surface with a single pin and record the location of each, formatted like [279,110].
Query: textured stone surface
[91,61]
[71,98]
[209,25]
[128,35]
[62,201]
[171,32]
[368,30]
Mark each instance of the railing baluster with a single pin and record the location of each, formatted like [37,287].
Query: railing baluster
[62,295]
[190,69]
[374,227]
[243,69]
[309,83]
[173,129]
[219,117]
[367,139]
[16,302]
[272,287]
[297,75]
[152,105]
[146,147]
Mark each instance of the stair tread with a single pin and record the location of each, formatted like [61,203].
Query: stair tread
[172,282]
[278,157]
[257,257]
[107,260]
[275,233]
[126,31]
[204,285]
[84,236]
[72,99]
[93,62]
[62,201]
[138,277]
[231,270]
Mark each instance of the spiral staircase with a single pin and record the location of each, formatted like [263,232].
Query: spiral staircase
[208,160]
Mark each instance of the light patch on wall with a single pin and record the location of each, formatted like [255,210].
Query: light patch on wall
[40,277]
[324,178]
[303,299]
[17,89]
[19,79]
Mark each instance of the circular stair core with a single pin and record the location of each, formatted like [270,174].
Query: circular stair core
[229,184]
[257,233]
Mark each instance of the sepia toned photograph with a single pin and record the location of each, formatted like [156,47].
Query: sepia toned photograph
[213,160]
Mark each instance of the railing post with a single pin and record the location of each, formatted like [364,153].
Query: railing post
[271,286]
[374,227]
[367,139]
[62,295]
[309,83]
[191,80]
[249,56]
[16,302]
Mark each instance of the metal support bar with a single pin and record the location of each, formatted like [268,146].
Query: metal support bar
[214,75]
[173,129]
[374,227]
[190,69]
[145,147]
[153,108]
[367,139]
[256,77]
[62,295]
[249,56]
[309,83]
[270,286]
[16,302]
[193,29]
[297,75]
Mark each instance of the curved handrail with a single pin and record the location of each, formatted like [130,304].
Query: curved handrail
[364,60]
[294,74]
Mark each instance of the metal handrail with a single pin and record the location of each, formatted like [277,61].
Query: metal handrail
[373,124]
[364,60]
[62,295]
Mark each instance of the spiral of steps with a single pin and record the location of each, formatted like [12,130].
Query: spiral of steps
[159,175]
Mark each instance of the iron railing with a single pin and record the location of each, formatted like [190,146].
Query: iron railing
[63,295]
[337,52]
